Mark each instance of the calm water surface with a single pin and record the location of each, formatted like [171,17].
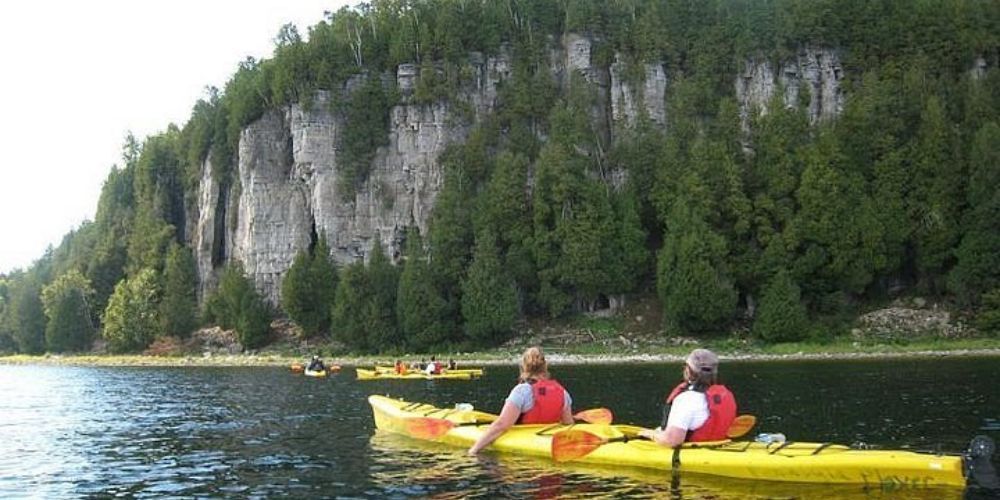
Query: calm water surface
[71,432]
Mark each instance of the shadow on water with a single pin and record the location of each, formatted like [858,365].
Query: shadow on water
[69,432]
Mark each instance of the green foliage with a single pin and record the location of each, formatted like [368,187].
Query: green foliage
[28,317]
[67,306]
[132,320]
[988,319]
[977,269]
[489,299]
[380,314]
[366,114]
[352,297]
[697,294]
[236,304]
[420,310]
[179,306]
[307,291]
[781,316]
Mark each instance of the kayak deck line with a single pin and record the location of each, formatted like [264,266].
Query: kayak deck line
[792,462]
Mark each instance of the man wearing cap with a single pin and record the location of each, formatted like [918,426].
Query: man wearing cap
[701,409]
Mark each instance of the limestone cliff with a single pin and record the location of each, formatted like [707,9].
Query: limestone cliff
[285,193]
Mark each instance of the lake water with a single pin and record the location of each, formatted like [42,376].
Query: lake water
[96,432]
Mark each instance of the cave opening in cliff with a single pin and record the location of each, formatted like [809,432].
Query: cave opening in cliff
[313,237]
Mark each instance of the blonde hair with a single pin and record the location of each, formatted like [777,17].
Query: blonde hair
[533,364]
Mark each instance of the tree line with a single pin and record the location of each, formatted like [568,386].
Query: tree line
[787,227]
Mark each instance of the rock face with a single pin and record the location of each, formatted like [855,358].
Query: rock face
[817,71]
[285,194]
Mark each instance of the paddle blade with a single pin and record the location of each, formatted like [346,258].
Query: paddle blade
[741,425]
[595,416]
[428,428]
[572,444]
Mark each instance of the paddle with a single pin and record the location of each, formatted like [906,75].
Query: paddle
[433,428]
[574,443]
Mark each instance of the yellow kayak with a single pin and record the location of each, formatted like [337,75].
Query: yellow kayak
[803,462]
[475,372]
[364,374]
[314,373]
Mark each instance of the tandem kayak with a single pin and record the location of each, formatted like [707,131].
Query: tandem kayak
[475,372]
[789,461]
[364,374]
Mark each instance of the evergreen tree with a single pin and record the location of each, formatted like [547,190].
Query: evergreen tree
[131,320]
[179,306]
[697,294]
[307,291]
[781,316]
[504,209]
[67,305]
[380,315]
[236,305]
[254,322]
[420,310]
[489,299]
[352,297]
[834,230]
[977,269]
[28,317]
[935,200]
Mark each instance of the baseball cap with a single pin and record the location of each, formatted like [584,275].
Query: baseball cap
[703,360]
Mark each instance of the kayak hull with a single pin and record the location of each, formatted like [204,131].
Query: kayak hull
[364,374]
[314,373]
[792,462]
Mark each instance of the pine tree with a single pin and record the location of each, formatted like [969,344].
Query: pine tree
[67,305]
[420,310]
[977,269]
[697,294]
[352,297]
[236,305]
[489,299]
[781,316]
[936,197]
[179,307]
[308,288]
[380,315]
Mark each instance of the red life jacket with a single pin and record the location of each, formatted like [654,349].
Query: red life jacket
[721,412]
[549,399]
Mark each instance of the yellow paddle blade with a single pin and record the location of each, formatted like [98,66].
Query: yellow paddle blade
[572,444]
[595,416]
[428,428]
[741,425]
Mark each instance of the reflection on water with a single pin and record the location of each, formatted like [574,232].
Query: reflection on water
[70,432]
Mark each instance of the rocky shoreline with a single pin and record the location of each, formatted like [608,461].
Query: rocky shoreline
[471,359]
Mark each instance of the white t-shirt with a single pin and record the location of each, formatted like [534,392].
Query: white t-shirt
[689,411]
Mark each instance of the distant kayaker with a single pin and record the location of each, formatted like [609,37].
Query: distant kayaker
[700,409]
[433,368]
[400,367]
[316,364]
[536,399]
[452,365]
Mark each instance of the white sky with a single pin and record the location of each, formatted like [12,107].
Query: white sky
[78,75]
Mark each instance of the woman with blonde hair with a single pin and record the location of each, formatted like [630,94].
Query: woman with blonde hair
[536,399]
